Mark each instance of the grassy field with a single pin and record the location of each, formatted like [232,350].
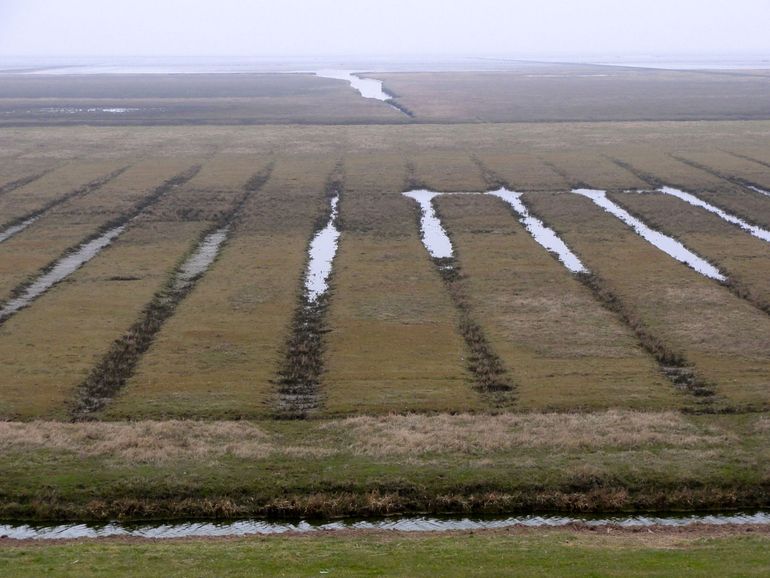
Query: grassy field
[514,553]
[642,386]
[596,93]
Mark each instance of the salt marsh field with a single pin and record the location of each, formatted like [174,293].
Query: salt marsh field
[398,293]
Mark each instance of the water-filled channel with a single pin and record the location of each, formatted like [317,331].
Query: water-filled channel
[399,524]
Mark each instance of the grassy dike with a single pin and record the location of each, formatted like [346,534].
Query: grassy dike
[513,553]
[610,462]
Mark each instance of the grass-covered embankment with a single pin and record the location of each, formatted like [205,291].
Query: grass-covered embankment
[610,462]
[511,553]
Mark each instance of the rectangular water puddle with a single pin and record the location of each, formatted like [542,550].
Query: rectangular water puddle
[667,244]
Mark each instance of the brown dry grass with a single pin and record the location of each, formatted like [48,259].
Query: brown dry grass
[149,441]
[412,435]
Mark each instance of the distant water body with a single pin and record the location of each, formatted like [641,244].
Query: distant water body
[220,65]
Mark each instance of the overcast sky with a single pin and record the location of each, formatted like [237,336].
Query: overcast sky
[514,28]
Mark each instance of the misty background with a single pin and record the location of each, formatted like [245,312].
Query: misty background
[602,29]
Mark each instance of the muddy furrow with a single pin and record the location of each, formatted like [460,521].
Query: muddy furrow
[15,226]
[490,377]
[299,376]
[740,181]
[77,256]
[117,366]
[18,183]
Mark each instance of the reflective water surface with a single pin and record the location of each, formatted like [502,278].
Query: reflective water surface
[400,524]
[663,242]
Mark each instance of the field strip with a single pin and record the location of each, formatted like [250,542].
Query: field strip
[720,344]
[754,230]
[217,356]
[393,343]
[23,181]
[491,377]
[667,244]
[110,375]
[561,347]
[744,259]
[299,378]
[77,256]
[17,225]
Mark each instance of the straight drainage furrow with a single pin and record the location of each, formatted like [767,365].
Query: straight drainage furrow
[17,225]
[75,257]
[118,365]
[489,374]
[730,178]
[18,183]
[299,378]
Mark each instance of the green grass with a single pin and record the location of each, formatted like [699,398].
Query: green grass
[546,553]
[359,466]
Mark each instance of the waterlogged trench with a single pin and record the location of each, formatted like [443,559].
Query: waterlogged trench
[395,524]
[18,225]
[300,375]
[667,244]
[113,371]
[60,271]
[757,232]
[75,258]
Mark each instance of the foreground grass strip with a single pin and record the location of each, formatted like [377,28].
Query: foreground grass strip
[299,378]
[616,461]
[525,553]
[490,375]
[119,364]
[76,257]
[18,224]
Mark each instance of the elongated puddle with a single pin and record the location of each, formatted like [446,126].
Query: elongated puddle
[667,244]
[323,249]
[18,228]
[201,259]
[545,236]
[300,373]
[402,524]
[62,269]
[758,232]
[758,190]
[434,236]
